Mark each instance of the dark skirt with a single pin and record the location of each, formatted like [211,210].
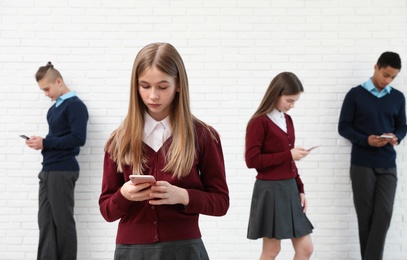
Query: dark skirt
[276,211]
[175,250]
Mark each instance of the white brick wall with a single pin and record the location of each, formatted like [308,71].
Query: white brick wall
[232,49]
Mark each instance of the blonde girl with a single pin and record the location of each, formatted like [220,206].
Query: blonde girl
[161,137]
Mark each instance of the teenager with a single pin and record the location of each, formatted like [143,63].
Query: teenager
[278,204]
[67,121]
[160,137]
[373,119]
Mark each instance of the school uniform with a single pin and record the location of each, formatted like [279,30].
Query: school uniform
[366,111]
[276,211]
[166,231]
[67,121]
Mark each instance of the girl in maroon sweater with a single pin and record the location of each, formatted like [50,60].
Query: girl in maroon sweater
[278,203]
[160,137]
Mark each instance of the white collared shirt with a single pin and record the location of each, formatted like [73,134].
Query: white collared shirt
[278,118]
[156,132]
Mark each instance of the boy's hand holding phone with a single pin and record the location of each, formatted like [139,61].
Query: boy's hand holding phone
[392,139]
[34,142]
[382,140]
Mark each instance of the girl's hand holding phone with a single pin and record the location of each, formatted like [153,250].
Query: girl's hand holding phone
[164,193]
[137,192]
[299,153]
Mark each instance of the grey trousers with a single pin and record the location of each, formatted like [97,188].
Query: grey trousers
[55,215]
[374,190]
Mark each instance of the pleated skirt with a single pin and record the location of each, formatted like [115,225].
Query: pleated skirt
[175,250]
[276,211]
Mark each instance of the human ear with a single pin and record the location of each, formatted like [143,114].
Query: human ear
[58,81]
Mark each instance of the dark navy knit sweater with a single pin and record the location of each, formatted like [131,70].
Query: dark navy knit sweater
[362,115]
[67,132]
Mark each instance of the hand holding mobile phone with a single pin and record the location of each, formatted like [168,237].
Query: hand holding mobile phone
[24,137]
[137,179]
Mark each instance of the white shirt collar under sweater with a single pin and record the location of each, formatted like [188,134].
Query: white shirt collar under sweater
[156,132]
[278,118]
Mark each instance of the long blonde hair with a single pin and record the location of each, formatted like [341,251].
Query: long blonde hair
[125,144]
[285,83]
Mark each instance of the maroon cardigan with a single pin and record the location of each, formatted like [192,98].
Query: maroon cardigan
[142,223]
[268,150]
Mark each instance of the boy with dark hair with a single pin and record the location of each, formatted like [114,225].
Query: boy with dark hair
[373,118]
[67,121]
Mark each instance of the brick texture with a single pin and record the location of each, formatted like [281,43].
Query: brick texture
[232,49]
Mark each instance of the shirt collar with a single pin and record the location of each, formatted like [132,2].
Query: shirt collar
[369,86]
[276,114]
[150,123]
[278,118]
[64,97]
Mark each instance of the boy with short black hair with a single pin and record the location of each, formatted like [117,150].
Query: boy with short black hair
[373,118]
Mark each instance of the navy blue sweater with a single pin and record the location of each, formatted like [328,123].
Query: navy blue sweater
[67,132]
[362,115]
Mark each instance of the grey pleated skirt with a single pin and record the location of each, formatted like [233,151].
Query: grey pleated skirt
[276,211]
[175,250]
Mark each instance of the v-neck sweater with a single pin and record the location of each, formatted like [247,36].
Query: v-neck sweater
[364,114]
[67,125]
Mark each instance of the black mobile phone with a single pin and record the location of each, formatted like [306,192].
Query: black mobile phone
[25,137]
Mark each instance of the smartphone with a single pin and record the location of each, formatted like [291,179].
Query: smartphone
[312,148]
[24,137]
[386,136]
[137,179]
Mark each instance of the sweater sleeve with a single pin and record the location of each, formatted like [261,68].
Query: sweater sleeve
[300,185]
[112,204]
[214,198]
[400,127]
[346,121]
